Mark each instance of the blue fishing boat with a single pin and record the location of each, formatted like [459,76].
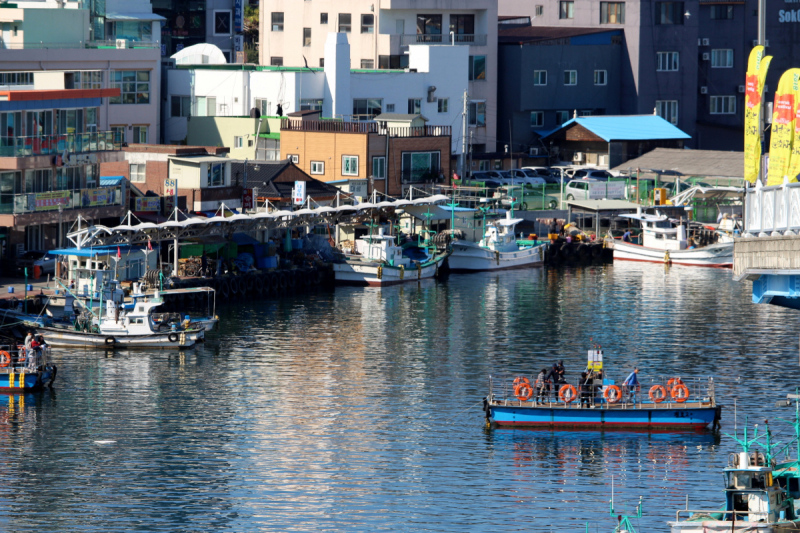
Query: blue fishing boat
[668,403]
[16,375]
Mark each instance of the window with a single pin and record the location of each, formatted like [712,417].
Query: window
[134,86]
[367,108]
[263,106]
[317,167]
[414,106]
[216,174]
[322,62]
[344,22]
[722,58]
[570,77]
[539,11]
[238,141]
[139,135]
[723,105]
[537,119]
[206,106]
[367,23]
[311,104]
[276,61]
[21,78]
[393,62]
[429,28]
[585,113]
[222,22]
[368,63]
[181,106]
[600,77]
[420,166]
[306,36]
[119,134]
[443,104]
[667,61]
[566,10]
[668,110]
[669,12]
[294,158]
[277,21]
[612,12]
[540,77]
[81,80]
[390,108]
[349,165]
[323,18]
[721,12]
[477,68]
[477,113]
[462,25]
[379,168]
[137,173]
[562,117]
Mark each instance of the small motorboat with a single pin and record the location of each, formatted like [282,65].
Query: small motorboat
[498,250]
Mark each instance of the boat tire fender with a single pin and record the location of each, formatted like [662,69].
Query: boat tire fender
[567,393]
[612,394]
[658,393]
[5,359]
[110,341]
[173,337]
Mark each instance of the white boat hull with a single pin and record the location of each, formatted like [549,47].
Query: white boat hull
[720,526]
[470,256]
[357,272]
[67,337]
[715,255]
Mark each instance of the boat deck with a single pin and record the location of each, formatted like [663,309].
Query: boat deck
[603,405]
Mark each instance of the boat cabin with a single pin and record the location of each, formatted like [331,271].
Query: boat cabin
[382,248]
[658,232]
[86,270]
[752,493]
[135,321]
[500,235]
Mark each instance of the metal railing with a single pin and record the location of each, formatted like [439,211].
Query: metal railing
[329,126]
[475,39]
[18,204]
[41,45]
[775,208]
[99,141]
[724,513]
[419,131]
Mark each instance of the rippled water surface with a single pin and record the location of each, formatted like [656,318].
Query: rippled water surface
[359,410]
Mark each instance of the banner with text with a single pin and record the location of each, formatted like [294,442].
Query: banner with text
[757,67]
[148,204]
[99,197]
[49,201]
[783,124]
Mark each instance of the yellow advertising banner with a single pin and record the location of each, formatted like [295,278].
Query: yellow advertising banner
[757,67]
[783,125]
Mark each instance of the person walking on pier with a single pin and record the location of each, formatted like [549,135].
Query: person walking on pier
[631,384]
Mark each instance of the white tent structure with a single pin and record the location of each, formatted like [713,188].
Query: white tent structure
[200,54]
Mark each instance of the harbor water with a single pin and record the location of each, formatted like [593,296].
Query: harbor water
[359,410]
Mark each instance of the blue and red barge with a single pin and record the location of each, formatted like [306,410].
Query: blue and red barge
[21,374]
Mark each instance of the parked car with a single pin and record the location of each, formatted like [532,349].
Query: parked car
[544,173]
[45,261]
[483,177]
[527,177]
[510,193]
[585,173]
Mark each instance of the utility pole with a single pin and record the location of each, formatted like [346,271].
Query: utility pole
[463,159]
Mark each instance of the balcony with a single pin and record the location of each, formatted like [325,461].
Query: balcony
[41,202]
[99,141]
[99,45]
[421,38]
[357,126]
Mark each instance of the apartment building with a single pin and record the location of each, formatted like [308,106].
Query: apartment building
[190,22]
[55,40]
[380,34]
[685,59]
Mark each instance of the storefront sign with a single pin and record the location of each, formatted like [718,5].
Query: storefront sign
[99,197]
[247,199]
[49,201]
[299,196]
[238,15]
[148,204]
[791,15]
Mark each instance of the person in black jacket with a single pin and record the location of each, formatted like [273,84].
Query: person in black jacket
[553,378]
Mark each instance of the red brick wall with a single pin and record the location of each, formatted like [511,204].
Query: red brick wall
[116,168]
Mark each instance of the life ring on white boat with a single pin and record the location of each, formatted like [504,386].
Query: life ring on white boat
[567,393]
[5,359]
[680,393]
[522,389]
[658,393]
[110,341]
[173,337]
[612,398]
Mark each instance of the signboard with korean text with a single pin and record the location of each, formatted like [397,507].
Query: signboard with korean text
[247,199]
[299,194]
[238,43]
[148,203]
[599,190]
[49,201]
[100,197]
[595,360]
[238,15]
[170,196]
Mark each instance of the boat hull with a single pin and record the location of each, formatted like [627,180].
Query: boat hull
[720,526]
[715,255]
[603,417]
[14,382]
[67,337]
[355,272]
[470,257]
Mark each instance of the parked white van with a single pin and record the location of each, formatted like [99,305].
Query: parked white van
[584,189]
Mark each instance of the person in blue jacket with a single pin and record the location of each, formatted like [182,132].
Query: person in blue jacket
[631,383]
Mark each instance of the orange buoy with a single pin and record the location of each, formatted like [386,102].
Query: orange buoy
[5,359]
[523,391]
[567,393]
[680,393]
[612,394]
[658,393]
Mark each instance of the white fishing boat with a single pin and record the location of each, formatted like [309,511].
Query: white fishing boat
[498,250]
[378,262]
[664,243]
[135,328]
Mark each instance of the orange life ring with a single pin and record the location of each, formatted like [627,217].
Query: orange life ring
[658,393]
[617,396]
[680,393]
[5,359]
[567,398]
[674,381]
[523,391]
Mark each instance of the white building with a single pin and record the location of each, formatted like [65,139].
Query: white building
[380,33]
[434,85]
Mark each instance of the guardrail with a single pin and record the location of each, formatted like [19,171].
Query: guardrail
[19,204]
[475,39]
[41,45]
[772,209]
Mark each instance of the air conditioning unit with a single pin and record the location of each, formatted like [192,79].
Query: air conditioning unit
[578,157]
[741,88]
[706,42]
[706,56]
[533,151]
[122,43]
[703,90]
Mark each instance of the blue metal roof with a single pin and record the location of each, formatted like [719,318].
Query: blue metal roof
[625,127]
[111,181]
[99,250]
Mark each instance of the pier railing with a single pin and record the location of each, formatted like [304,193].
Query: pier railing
[773,210]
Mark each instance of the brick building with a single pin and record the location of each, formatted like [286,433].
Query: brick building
[394,152]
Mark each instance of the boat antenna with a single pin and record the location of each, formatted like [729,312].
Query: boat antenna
[623,520]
